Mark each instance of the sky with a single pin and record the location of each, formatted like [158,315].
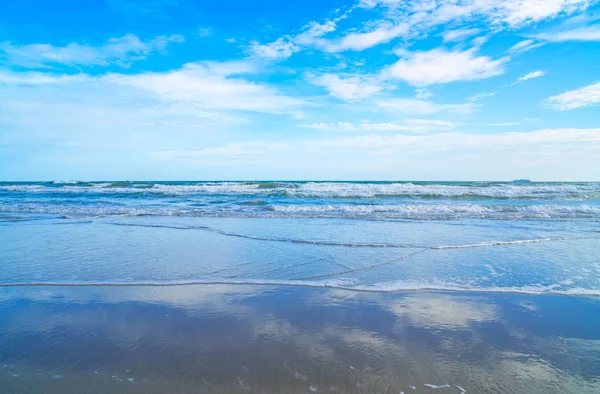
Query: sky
[292,90]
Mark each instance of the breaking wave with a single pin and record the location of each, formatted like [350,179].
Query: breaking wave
[264,209]
[482,190]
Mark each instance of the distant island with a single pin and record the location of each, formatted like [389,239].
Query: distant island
[521,181]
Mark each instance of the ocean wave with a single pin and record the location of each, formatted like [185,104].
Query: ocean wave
[576,191]
[379,287]
[441,211]
[258,209]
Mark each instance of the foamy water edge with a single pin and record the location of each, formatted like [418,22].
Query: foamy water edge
[383,287]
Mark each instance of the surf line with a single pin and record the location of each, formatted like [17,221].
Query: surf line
[354,245]
[427,248]
[269,239]
[505,243]
[368,267]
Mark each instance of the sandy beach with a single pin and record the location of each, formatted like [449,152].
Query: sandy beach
[278,339]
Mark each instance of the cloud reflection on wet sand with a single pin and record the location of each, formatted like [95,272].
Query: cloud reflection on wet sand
[228,338]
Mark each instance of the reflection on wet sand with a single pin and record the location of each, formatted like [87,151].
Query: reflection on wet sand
[260,339]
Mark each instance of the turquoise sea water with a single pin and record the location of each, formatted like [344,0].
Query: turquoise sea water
[382,236]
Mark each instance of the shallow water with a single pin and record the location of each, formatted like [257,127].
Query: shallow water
[540,238]
[265,339]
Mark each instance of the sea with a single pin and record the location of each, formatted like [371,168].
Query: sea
[512,237]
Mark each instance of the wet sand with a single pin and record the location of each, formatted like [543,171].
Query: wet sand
[265,339]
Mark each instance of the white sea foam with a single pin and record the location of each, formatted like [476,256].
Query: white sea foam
[504,243]
[581,191]
[444,210]
[346,284]
[401,211]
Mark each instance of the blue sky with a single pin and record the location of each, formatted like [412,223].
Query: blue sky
[370,89]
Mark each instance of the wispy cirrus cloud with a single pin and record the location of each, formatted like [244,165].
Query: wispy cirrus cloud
[418,17]
[460,34]
[401,19]
[524,46]
[38,78]
[532,75]
[422,107]
[465,141]
[480,96]
[587,33]
[410,125]
[583,97]
[582,34]
[527,77]
[503,124]
[120,51]
[359,41]
[510,13]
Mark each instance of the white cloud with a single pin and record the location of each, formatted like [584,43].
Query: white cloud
[411,125]
[210,85]
[282,48]
[531,75]
[467,142]
[213,86]
[524,46]
[363,126]
[120,51]
[312,31]
[375,3]
[518,12]
[590,33]
[476,97]
[460,34]
[286,46]
[423,94]
[363,40]
[230,68]
[422,107]
[583,97]
[38,78]
[439,66]
[479,41]
[431,123]
[348,87]
[512,13]
[504,124]
[408,19]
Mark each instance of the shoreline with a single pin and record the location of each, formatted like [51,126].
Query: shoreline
[585,293]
